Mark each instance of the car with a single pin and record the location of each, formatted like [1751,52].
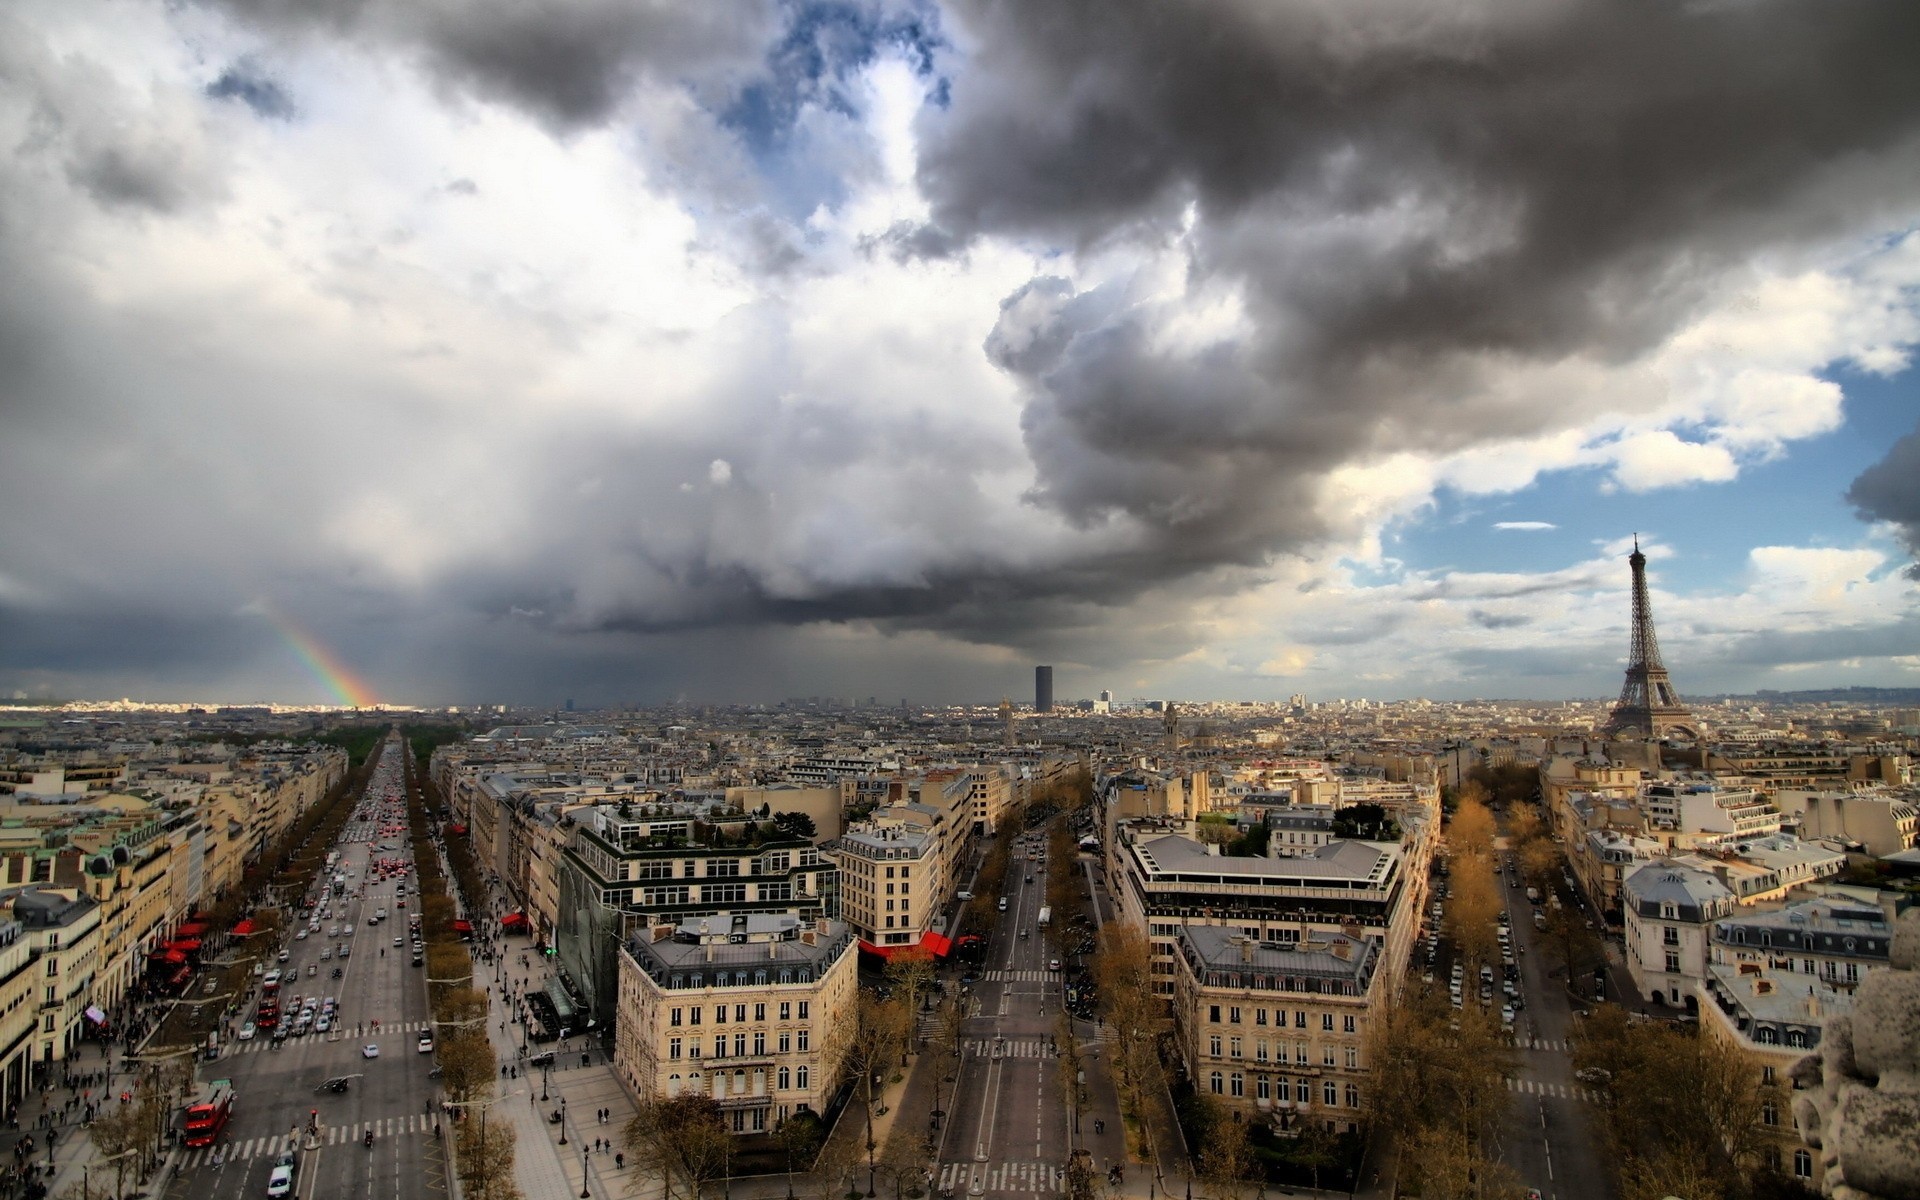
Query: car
[1053,964]
[426,1043]
[280,1179]
[246,1032]
[285,955]
[370,1050]
[1506,1015]
[326,955]
[399,941]
[323,1024]
[345,952]
[300,935]
[1593,1075]
[963,896]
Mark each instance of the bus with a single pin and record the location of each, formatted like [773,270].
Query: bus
[207,1116]
[1046,916]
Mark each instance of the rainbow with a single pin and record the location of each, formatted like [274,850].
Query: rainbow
[325,666]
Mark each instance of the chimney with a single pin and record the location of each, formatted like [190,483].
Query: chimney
[1246,949]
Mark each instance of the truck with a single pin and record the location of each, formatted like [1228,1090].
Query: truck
[1046,916]
[208,1115]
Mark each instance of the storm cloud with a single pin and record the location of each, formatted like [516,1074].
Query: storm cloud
[648,341]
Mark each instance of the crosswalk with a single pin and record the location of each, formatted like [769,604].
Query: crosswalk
[1534,1087]
[331,1135]
[1021,976]
[1556,1045]
[1003,1177]
[1013,1048]
[263,1040]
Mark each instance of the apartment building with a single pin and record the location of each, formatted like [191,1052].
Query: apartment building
[1164,880]
[1881,821]
[1670,909]
[751,1009]
[1775,1018]
[1829,941]
[665,862]
[62,928]
[1704,806]
[19,1015]
[1564,777]
[899,868]
[1276,1031]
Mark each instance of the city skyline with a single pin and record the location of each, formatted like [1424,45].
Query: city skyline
[358,352]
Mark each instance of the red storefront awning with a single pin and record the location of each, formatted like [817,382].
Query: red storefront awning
[867,947]
[244,928]
[186,944]
[193,929]
[176,956]
[456,829]
[513,919]
[938,943]
[463,926]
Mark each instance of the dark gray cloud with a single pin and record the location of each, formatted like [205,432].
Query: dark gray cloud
[1414,203]
[246,83]
[1889,491]
[569,63]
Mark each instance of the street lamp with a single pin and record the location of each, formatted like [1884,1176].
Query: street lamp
[585,1193]
[563,1120]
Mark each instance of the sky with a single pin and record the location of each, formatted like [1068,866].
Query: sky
[624,351]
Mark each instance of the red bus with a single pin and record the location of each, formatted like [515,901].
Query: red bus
[207,1116]
[269,1014]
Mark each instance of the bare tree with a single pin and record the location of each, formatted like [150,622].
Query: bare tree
[680,1138]
[486,1153]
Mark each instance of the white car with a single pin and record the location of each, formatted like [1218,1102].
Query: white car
[300,936]
[246,1032]
[280,1182]
[370,1050]
[426,1043]
[323,1024]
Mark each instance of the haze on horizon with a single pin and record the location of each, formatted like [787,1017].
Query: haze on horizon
[623,352]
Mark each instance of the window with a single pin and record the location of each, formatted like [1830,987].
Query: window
[719,1045]
[674,1017]
[1259,1016]
[1802,1164]
[719,1014]
[786,1010]
[760,1010]
[673,1048]
[1326,1056]
[759,1043]
[1673,962]
[1353,1096]
[1766,1035]
[1347,1024]
[1299,1020]
[1213,1046]
[1669,936]
[1233,1015]
[785,1079]
[1233,1048]
[1769,1113]
[1216,1084]
[1303,1090]
[1300,1054]
[1330,1093]
[1237,1086]
[785,1041]
[802,1043]
[803,1012]
[739,1012]
[800,1078]
[1213,1013]
[1262,1088]
[739,1045]
[1326,1022]
[693,1015]
[1353,1058]
[1766,1077]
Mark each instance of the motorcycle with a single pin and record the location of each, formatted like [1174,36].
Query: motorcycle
[369,1139]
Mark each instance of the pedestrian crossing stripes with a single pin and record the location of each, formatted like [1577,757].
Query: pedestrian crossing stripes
[1557,1045]
[1004,1177]
[1012,1048]
[263,1040]
[1021,976]
[331,1135]
[1534,1087]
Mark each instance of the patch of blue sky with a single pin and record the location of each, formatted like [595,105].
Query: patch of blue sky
[814,67]
[1797,499]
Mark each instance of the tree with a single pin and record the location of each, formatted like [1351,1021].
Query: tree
[1083,1182]
[486,1151]
[910,973]
[1314,1147]
[833,1166]
[1122,972]
[798,1137]
[462,1008]
[1571,946]
[795,825]
[1225,1152]
[879,1030]
[680,1138]
[466,1065]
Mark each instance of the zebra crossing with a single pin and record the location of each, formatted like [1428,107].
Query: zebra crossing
[1013,1048]
[1534,1087]
[1556,1045]
[1005,1177]
[331,1135]
[263,1040]
[1021,976]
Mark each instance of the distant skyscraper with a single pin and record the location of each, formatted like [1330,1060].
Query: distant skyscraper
[1648,704]
[1043,689]
[1106,695]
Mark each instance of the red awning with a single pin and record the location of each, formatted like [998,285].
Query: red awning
[180,976]
[188,944]
[514,919]
[176,956]
[867,947]
[938,943]
[456,829]
[244,928]
[463,927]
[193,929]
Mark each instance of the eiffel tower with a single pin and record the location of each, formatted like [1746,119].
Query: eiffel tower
[1648,704]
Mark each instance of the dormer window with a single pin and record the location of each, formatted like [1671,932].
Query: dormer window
[1669,911]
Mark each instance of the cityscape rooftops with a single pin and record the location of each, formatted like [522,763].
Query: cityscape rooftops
[1330,962]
